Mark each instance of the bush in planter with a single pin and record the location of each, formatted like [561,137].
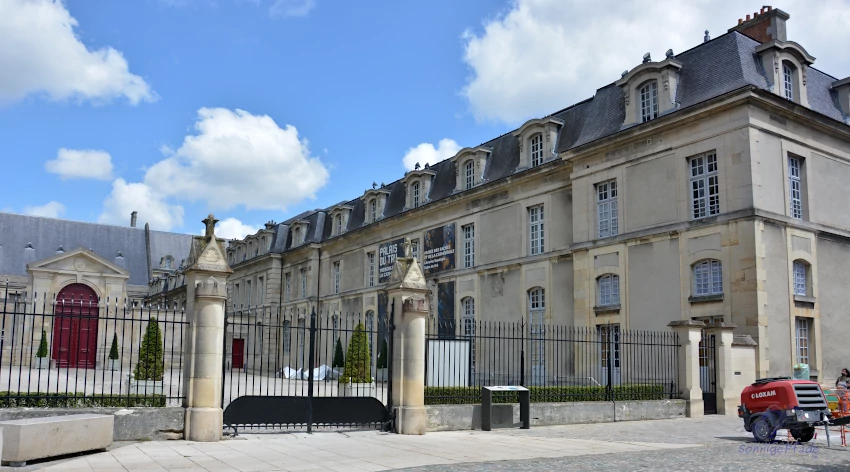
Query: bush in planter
[472,395]
[151,364]
[382,357]
[77,400]
[357,368]
[113,350]
[339,358]
[42,346]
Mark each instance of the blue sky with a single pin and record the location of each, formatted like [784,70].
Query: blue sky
[257,110]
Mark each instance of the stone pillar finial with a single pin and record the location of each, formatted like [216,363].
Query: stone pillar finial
[210,222]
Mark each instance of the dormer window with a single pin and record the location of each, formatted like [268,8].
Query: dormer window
[649,101]
[338,223]
[788,80]
[373,211]
[416,195]
[296,236]
[469,173]
[375,202]
[536,149]
[339,216]
[417,184]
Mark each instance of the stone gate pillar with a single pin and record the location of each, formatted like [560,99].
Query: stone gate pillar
[728,395]
[408,301]
[203,343]
[690,333]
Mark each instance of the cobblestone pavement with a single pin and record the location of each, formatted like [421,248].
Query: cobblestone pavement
[723,445]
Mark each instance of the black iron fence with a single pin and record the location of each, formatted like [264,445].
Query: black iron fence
[557,363]
[86,352]
[305,360]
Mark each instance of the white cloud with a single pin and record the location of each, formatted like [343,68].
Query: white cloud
[288,8]
[427,153]
[81,164]
[39,53]
[237,158]
[230,228]
[151,207]
[543,55]
[52,209]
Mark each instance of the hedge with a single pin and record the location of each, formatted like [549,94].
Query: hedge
[472,395]
[77,400]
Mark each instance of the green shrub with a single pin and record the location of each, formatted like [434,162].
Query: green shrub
[151,364]
[42,346]
[472,395]
[113,350]
[382,357]
[339,358]
[357,362]
[77,400]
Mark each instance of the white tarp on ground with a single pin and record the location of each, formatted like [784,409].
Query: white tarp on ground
[320,373]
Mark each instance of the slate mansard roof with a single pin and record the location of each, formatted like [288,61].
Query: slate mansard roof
[26,239]
[711,69]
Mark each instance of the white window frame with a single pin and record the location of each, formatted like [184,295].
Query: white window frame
[648,101]
[261,290]
[338,224]
[468,327]
[303,283]
[288,287]
[415,248]
[704,185]
[287,336]
[468,245]
[335,321]
[336,276]
[370,331]
[537,319]
[536,234]
[296,235]
[788,81]
[469,174]
[373,210]
[248,290]
[803,339]
[536,149]
[606,208]
[370,257]
[416,190]
[801,278]
[609,289]
[708,278]
[795,188]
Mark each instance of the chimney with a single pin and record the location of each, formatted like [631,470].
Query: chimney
[765,25]
[133,219]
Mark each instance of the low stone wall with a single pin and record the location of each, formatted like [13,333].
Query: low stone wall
[131,424]
[465,417]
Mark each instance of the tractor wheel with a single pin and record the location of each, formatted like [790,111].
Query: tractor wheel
[804,434]
[763,429]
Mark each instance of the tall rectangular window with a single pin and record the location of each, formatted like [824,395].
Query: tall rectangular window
[606,208]
[261,290]
[336,277]
[371,260]
[416,195]
[705,186]
[803,328]
[338,224]
[795,187]
[373,211]
[248,293]
[287,287]
[303,283]
[536,150]
[649,101]
[800,277]
[415,248]
[469,171]
[609,290]
[787,76]
[535,229]
[469,246]
[236,295]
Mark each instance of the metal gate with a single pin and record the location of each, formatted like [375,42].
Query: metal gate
[708,373]
[306,370]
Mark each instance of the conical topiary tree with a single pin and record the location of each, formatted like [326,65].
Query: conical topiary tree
[382,357]
[357,368]
[42,346]
[113,350]
[151,364]
[339,358]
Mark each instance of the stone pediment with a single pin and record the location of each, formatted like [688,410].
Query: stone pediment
[79,260]
[407,273]
[207,252]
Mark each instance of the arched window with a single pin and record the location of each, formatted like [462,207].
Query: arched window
[648,101]
[788,80]
[168,261]
[708,278]
[373,210]
[415,192]
[338,224]
[469,173]
[801,278]
[296,236]
[536,149]
[608,287]
[536,311]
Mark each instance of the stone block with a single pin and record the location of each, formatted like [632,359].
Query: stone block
[37,438]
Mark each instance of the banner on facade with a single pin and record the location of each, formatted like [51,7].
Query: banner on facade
[446,309]
[387,253]
[439,250]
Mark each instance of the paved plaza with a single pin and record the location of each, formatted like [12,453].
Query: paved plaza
[710,443]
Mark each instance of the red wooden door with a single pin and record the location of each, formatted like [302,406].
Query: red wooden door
[238,357]
[75,327]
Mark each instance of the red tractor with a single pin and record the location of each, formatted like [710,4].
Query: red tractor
[771,404]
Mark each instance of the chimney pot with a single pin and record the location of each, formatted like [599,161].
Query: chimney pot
[740,21]
[748,17]
[769,8]
[133,219]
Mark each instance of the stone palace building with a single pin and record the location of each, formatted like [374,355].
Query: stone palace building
[710,184]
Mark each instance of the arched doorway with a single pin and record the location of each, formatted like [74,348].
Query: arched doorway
[75,327]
